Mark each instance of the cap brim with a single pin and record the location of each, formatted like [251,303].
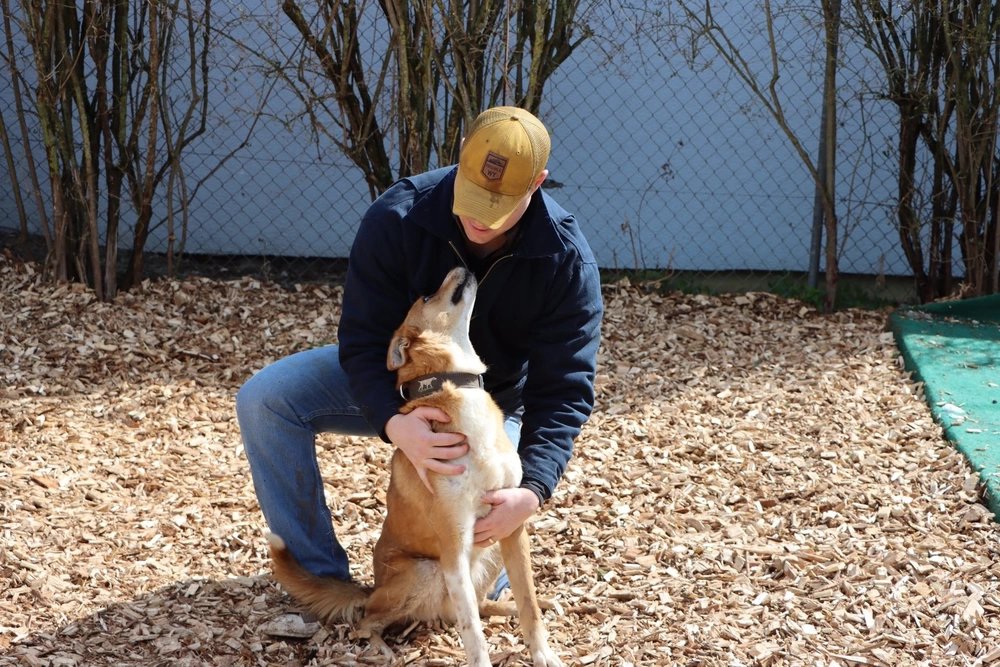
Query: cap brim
[485,207]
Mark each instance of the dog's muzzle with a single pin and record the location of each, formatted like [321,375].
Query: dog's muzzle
[468,278]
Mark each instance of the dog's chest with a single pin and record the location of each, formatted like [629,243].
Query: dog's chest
[492,458]
[489,472]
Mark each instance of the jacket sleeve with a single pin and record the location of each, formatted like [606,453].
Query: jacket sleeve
[375,302]
[559,391]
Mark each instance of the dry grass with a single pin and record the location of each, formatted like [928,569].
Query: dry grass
[760,485]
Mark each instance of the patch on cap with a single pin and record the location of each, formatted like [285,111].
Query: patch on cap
[493,166]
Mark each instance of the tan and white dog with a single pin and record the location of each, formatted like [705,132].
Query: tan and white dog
[426,565]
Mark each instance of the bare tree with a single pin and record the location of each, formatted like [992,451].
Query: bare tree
[99,82]
[15,78]
[394,110]
[689,26]
[826,176]
[941,60]
[972,71]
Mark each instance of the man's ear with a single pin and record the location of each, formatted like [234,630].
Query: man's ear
[397,352]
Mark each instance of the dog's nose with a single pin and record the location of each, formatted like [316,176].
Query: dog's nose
[465,279]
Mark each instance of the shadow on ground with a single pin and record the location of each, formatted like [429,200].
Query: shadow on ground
[191,622]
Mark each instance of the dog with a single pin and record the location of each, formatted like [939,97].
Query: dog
[427,567]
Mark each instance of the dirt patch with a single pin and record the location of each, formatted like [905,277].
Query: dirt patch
[759,485]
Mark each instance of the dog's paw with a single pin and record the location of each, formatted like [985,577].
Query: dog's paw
[375,640]
[275,541]
[545,657]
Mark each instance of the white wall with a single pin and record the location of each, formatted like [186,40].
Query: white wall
[664,166]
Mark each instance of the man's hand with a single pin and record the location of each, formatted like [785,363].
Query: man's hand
[427,450]
[511,508]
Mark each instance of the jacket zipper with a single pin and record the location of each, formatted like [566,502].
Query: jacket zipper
[488,271]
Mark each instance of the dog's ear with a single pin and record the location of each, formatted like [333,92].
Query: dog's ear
[397,352]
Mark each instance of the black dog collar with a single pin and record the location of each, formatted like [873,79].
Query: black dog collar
[425,385]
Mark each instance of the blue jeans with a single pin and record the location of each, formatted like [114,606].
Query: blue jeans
[280,411]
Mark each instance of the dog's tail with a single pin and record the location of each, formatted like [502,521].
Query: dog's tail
[328,598]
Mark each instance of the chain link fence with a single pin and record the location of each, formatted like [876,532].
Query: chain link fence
[668,160]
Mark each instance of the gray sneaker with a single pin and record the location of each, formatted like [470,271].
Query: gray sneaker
[301,625]
[503,583]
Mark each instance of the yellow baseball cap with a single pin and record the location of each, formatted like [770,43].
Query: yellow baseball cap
[504,151]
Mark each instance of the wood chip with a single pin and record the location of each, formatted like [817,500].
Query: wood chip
[759,485]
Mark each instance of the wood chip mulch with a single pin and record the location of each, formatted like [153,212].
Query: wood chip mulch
[759,485]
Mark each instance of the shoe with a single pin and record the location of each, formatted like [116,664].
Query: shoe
[295,626]
[503,583]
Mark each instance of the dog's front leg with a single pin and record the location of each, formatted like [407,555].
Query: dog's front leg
[516,551]
[455,565]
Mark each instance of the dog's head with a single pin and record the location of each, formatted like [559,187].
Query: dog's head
[434,337]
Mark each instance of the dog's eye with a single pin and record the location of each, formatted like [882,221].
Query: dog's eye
[426,299]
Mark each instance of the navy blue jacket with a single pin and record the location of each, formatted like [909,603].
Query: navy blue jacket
[536,322]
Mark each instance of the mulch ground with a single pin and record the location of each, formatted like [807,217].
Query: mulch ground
[759,485]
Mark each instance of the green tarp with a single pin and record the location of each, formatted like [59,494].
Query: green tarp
[953,347]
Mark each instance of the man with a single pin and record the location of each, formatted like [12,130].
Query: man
[536,325]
